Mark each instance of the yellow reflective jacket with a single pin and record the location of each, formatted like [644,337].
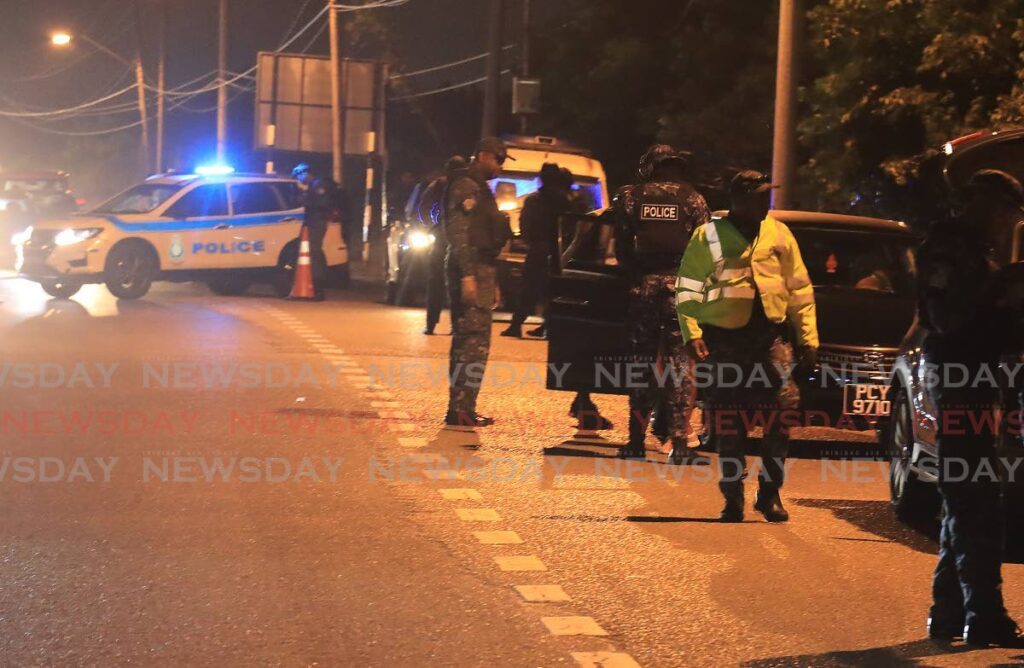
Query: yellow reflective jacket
[722,272]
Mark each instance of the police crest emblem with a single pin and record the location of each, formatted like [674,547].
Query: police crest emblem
[177,249]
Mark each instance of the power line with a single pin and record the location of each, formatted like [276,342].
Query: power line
[464,84]
[454,63]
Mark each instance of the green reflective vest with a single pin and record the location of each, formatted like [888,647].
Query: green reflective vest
[722,272]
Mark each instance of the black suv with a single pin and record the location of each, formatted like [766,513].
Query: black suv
[862,270]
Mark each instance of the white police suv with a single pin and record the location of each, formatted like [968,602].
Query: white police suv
[227,230]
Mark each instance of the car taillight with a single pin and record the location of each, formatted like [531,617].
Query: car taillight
[79,201]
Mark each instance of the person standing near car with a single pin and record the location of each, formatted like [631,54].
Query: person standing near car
[958,282]
[654,221]
[539,227]
[742,293]
[320,201]
[476,231]
[431,215]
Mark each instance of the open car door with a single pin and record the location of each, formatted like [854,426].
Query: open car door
[586,316]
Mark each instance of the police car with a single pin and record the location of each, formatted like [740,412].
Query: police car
[227,230]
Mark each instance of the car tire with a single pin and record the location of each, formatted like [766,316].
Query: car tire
[228,285]
[61,289]
[130,270]
[339,276]
[912,499]
[284,274]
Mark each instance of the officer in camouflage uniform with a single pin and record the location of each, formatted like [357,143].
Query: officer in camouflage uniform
[654,221]
[965,305]
[431,216]
[476,231]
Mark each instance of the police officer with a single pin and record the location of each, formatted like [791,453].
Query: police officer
[539,227]
[320,200]
[476,231]
[431,215]
[742,294]
[654,221]
[959,277]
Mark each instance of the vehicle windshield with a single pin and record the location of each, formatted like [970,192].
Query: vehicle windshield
[140,199]
[512,189]
[858,260]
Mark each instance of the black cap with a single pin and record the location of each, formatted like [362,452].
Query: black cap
[550,173]
[493,145]
[749,182]
[996,180]
[455,162]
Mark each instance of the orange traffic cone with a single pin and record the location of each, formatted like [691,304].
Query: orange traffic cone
[302,288]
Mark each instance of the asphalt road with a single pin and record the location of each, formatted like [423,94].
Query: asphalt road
[200,480]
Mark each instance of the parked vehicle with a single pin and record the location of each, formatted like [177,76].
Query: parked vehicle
[910,435]
[228,230]
[27,198]
[862,274]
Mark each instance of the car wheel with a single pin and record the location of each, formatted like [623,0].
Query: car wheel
[228,286]
[130,270]
[911,498]
[61,289]
[284,274]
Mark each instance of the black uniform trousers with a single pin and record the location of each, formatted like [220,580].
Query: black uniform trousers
[317,232]
[535,283]
[753,386]
[967,585]
[436,282]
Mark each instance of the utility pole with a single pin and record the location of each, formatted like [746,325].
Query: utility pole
[337,129]
[222,90]
[525,69]
[492,88]
[140,85]
[784,158]
[161,83]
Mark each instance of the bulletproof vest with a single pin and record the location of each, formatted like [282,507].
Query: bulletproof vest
[489,229]
[660,220]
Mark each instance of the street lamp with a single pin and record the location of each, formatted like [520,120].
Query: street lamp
[62,39]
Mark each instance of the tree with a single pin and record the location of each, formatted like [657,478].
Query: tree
[895,80]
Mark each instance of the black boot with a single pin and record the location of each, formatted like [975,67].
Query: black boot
[946,627]
[514,331]
[733,510]
[632,451]
[1000,632]
[467,420]
[769,504]
[684,456]
[539,332]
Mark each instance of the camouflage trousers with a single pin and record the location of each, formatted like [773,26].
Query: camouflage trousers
[761,358]
[471,338]
[667,365]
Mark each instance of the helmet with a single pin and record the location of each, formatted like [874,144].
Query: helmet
[454,163]
[300,169]
[659,154]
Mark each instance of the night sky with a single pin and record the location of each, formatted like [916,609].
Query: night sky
[34,75]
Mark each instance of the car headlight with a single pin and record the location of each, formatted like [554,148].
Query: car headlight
[19,238]
[73,236]
[419,240]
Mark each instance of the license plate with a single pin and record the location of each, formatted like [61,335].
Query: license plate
[869,400]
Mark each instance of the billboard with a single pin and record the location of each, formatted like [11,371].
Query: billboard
[293,102]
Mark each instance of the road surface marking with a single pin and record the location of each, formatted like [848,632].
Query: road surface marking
[393,415]
[385,404]
[498,537]
[353,371]
[412,442]
[604,660]
[404,427]
[520,563]
[542,593]
[460,494]
[477,514]
[428,458]
[442,474]
[573,626]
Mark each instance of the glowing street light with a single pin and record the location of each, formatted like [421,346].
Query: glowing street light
[60,38]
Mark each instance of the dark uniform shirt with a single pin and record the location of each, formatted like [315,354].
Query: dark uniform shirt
[654,222]
[476,230]
[538,221]
[320,201]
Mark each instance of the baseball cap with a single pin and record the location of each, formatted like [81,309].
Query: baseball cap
[300,169]
[749,182]
[495,146]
